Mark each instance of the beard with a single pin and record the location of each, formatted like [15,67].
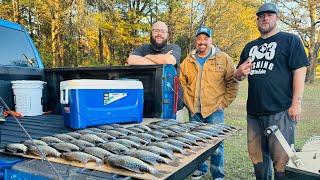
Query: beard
[157,47]
[265,30]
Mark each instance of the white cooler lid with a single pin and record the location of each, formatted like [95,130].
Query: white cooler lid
[100,84]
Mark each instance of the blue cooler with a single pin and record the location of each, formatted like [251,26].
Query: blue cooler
[87,102]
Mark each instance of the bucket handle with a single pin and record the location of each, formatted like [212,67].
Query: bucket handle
[64,96]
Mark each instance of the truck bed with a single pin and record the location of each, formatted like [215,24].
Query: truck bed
[36,126]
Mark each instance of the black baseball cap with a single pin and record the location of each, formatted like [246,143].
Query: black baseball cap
[204,30]
[268,7]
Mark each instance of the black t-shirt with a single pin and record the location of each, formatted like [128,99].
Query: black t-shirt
[147,49]
[270,80]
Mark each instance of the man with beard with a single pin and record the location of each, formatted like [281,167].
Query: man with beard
[206,77]
[158,51]
[276,66]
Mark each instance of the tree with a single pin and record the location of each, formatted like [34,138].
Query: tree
[303,17]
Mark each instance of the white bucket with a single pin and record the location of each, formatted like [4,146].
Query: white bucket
[27,97]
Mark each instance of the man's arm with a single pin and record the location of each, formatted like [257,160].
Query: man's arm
[167,58]
[243,70]
[138,60]
[298,87]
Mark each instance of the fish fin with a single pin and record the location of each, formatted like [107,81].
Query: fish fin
[133,169]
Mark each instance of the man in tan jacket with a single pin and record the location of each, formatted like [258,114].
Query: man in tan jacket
[206,76]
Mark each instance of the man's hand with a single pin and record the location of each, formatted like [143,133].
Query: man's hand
[243,70]
[295,111]
[169,52]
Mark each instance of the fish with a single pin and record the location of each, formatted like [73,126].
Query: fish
[144,127]
[92,138]
[96,130]
[136,129]
[188,126]
[81,157]
[177,129]
[148,157]
[179,144]
[211,133]
[115,125]
[16,148]
[136,140]
[154,126]
[201,135]
[212,129]
[127,143]
[158,134]
[97,152]
[82,143]
[46,150]
[147,137]
[160,151]
[114,147]
[166,145]
[168,132]
[105,127]
[115,133]
[64,137]
[74,134]
[34,142]
[65,147]
[125,131]
[105,136]
[50,139]
[132,164]
[192,137]
[86,131]
[187,141]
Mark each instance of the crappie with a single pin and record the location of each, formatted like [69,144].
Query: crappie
[154,126]
[105,127]
[192,137]
[147,156]
[136,129]
[81,157]
[166,145]
[105,136]
[168,132]
[97,152]
[35,141]
[201,135]
[178,143]
[65,147]
[162,152]
[16,148]
[132,164]
[144,127]
[74,134]
[64,137]
[125,131]
[86,131]
[188,141]
[136,140]
[114,147]
[96,130]
[82,143]
[147,137]
[127,143]
[92,138]
[115,133]
[50,139]
[158,134]
[46,150]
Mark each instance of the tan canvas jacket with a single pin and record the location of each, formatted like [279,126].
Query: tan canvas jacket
[218,87]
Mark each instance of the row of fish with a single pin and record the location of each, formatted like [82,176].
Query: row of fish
[136,148]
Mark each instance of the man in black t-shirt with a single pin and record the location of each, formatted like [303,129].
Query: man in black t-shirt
[158,51]
[275,64]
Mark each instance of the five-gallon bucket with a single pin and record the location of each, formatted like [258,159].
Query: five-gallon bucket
[27,97]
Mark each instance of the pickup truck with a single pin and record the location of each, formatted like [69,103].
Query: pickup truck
[20,60]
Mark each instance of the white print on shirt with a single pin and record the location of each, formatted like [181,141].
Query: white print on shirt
[263,56]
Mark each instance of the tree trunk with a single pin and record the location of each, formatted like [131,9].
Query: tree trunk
[55,38]
[100,46]
[16,11]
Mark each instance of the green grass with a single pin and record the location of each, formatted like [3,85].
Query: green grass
[237,161]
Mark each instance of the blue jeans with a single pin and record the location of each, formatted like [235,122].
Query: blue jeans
[217,158]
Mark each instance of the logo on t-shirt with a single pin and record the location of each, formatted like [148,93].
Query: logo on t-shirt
[262,57]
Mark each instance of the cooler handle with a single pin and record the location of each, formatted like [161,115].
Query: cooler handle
[64,96]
